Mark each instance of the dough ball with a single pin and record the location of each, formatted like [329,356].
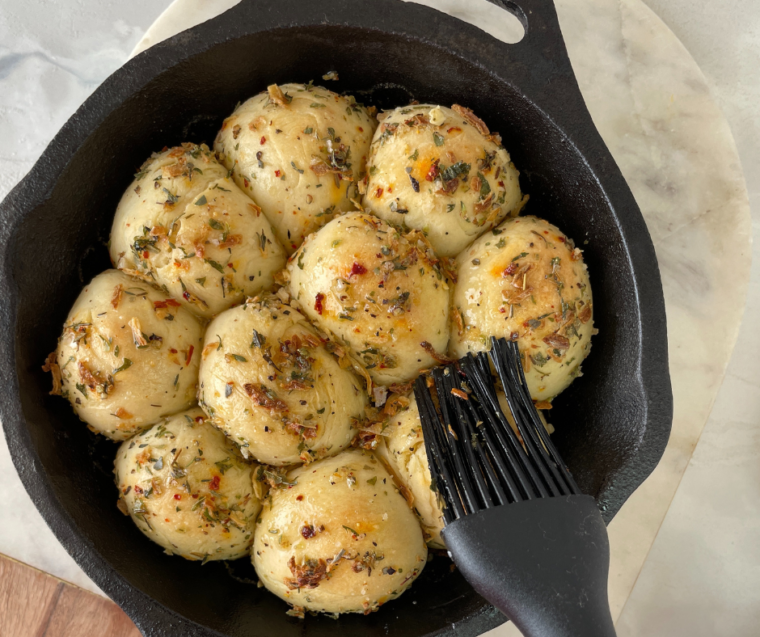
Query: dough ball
[383,293]
[298,151]
[526,281]
[127,357]
[184,226]
[268,382]
[342,540]
[402,447]
[188,489]
[440,170]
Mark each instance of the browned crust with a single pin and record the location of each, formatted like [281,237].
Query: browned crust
[307,575]
[264,397]
[116,298]
[438,358]
[473,119]
[276,95]
[51,365]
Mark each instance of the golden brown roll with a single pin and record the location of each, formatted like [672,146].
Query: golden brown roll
[183,225]
[341,539]
[188,489]
[526,281]
[127,357]
[268,382]
[440,170]
[382,293]
[299,151]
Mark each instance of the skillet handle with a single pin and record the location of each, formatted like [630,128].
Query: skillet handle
[540,65]
[542,31]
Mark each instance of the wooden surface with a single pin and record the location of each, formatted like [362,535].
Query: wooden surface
[34,604]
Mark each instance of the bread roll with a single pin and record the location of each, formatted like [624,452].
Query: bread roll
[526,281]
[127,357]
[183,225]
[188,489]
[382,293]
[341,539]
[268,382]
[440,170]
[299,151]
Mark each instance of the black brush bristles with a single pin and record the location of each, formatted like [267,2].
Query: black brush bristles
[542,559]
[505,356]
[442,476]
[476,459]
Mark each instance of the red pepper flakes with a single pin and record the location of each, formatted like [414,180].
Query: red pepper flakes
[378,193]
[299,498]
[173,351]
[277,173]
[246,183]
[318,307]
[186,296]
[561,239]
[511,269]
[214,484]
[189,355]
[177,496]
[432,173]
[357,269]
[263,140]
[164,304]
[145,254]
[308,532]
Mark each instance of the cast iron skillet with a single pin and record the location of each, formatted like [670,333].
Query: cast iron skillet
[612,424]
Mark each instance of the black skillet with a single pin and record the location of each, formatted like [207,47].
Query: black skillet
[612,424]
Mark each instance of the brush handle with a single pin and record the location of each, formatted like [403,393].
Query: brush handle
[543,563]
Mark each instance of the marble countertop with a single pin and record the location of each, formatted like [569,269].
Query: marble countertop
[680,564]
